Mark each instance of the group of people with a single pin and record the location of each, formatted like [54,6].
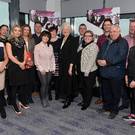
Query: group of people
[71,64]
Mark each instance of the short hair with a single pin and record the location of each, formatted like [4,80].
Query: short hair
[67,25]
[89,31]
[82,24]
[116,26]
[53,28]
[46,33]
[132,20]
[38,22]
[3,25]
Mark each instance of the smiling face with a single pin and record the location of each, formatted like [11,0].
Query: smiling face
[16,32]
[132,28]
[4,31]
[107,26]
[26,31]
[38,28]
[66,31]
[114,32]
[88,37]
[82,30]
[53,34]
[45,39]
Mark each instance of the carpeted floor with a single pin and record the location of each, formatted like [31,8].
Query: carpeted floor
[56,121]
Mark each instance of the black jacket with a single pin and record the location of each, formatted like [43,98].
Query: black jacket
[131,64]
[115,54]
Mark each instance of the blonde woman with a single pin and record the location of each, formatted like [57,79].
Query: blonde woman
[16,70]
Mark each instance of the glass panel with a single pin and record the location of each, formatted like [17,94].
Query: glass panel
[124,25]
[26,19]
[4,13]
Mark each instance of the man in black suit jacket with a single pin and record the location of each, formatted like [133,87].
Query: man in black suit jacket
[76,70]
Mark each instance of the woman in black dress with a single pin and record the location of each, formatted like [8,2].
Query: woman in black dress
[16,70]
[55,42]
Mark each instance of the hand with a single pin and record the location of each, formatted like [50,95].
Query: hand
[22,65]
[2,67]
[86,74]
[70,71]
[102,63]
[132,84]
[126,80]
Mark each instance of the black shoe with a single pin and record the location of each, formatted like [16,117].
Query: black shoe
[56,97]
[66,104]
[84,108]
[101,110]
[50,98]
[3,113]
[112,115]
[80,104]
[122,107]
[9,101]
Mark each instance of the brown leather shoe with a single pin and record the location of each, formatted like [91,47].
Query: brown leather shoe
[99,101]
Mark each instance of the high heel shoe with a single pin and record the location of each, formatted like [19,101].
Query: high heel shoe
[16,109]
[23,106]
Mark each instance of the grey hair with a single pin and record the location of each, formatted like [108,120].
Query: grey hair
[116,26]
[66,25]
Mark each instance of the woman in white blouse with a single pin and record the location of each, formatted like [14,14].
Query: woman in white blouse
[45,63]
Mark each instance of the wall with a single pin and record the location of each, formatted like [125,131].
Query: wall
[26,5]
[71,8]
[126,6]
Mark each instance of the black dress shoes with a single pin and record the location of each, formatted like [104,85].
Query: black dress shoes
[80,104]
[84,108]
[112,115]
[66,104]
[3,113]
[122,107]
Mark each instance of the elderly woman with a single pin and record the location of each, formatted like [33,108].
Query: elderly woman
[67,54]
[3,63]
[45,63]
[88,67]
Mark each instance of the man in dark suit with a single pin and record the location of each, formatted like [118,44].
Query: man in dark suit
[76,70]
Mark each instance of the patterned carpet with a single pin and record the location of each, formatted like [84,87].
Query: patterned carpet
[56,121]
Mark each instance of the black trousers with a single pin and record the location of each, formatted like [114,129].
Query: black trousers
[112,93]
[132,101]
[2,98]
[22,94]
[55,84]
[87,88]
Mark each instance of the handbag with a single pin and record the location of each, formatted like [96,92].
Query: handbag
[29,61]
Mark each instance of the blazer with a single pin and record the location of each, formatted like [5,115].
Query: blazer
[68,51]
[88,58]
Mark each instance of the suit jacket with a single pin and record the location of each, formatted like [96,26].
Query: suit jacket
[67,52]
